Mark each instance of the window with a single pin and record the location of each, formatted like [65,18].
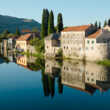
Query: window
[92,42]
[92,80]
[88,41]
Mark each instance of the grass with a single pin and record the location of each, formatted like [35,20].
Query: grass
[104,62]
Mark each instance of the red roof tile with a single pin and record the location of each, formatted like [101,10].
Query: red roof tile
[76,28]
[96,34]
[24,37]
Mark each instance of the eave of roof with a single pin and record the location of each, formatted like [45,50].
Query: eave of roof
[24,37]
[96,34]
[76,28]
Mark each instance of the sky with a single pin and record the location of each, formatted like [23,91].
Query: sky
[75,12]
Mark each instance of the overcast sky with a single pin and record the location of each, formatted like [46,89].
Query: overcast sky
[75,12]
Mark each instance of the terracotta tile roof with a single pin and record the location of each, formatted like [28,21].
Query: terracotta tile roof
[96,34]
[26,30]
[24,37]
[76,28]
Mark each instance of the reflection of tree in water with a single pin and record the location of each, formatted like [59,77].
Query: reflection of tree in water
[5,59]
[39,64]
[51,81]
[60,86]
[48,81]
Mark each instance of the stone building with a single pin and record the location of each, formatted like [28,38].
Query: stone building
[80,42]
[52,45]
[73,40]
[23,43]
[97,46]
[107,28]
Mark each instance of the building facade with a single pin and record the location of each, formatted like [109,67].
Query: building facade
[23,43]
[52,45]
[82,42]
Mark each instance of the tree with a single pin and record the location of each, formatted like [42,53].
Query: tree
[44,25]
[17,32]
[59,23]
[39,45]
[105,23]
[35,30]
[96,25]
[46,21]
[99,25]
[5,34]
[51,23]
[109,22]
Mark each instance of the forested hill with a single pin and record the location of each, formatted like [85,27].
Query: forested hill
[11,23]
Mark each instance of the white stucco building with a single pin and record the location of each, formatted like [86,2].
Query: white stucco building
[80,42]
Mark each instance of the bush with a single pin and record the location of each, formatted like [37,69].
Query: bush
[60,53]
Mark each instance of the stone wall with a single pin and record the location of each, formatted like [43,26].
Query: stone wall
[51,50]
[72,44]
[96,51]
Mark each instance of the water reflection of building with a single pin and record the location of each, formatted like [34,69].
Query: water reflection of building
[51,74]
[28,62]
[73,75]
[87,77]
[25,61]
[52,67]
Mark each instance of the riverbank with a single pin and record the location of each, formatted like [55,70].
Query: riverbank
[104,62]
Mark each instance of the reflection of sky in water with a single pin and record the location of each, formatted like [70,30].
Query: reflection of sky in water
[22,89]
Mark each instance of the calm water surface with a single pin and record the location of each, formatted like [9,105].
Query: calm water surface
[30,84]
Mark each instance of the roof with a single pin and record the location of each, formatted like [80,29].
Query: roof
[53,37]
[105,36]
[24,37]
[76,28]
[96,34]
[26,31]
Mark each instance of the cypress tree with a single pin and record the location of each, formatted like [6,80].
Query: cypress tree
[99,25]
[109,22]
[44,25]
[96,25]
[105,23]
[59,23]
[51,23]
[46,21]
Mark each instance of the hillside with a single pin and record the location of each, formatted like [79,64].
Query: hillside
[11,23]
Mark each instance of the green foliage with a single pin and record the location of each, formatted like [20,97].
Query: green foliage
[11,23]
[39,44]
[38,65]
[96,25]
[60,53]
[99,25]
[44,25]
[105,23]
[104,62]
[35,30]
[17,32]
[59,23]
[10,35]
[4,35]
[51,23]
[109,22]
